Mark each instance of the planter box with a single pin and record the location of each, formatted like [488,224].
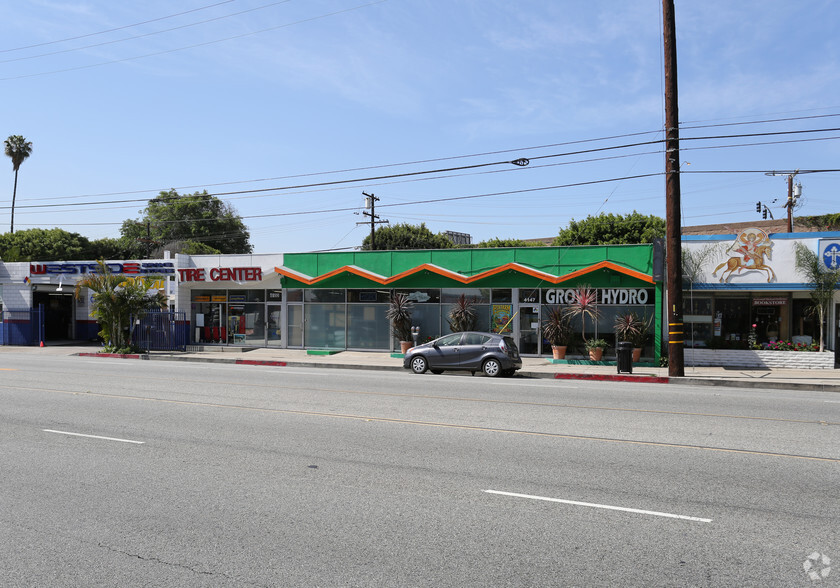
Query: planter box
[749,358]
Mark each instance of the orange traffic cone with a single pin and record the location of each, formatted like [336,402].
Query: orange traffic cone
[42,343]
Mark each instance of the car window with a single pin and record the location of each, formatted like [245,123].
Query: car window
[449,340]
[476,339]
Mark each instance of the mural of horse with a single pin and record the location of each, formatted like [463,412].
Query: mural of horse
[737,264]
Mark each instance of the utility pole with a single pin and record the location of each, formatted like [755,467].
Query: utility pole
[370,204]
[789,203]
[793,193]
[673,246]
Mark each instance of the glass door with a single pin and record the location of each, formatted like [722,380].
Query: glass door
[295,325]
[274,331]
[529,329]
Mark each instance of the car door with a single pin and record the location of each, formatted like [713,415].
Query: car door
[445,353]
[473,346]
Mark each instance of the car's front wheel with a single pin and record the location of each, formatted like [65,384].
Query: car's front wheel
[419,365]
[491,367]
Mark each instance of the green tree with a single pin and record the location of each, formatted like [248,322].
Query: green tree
[18,149]
[116,299]
[822,222]
[612,229]
[110,248]
[824,281]
[44,245]
[405,236]
[198,217]
[496,242]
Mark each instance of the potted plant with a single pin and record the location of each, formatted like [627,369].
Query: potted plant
[640,339]
[630,327]
[584,304]
[462,316]
[399,314]
[557,330]
[595,347]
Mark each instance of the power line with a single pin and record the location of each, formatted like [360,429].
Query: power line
[421,161]
[151,34]
[475,166]
[184,48]
[137,24]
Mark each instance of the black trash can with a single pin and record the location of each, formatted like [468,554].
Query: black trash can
[624,357]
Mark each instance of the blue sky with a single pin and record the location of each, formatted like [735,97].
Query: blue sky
[292,93]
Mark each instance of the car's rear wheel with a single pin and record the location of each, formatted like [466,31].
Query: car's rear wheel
[491,367]
[437,372]
[419,364]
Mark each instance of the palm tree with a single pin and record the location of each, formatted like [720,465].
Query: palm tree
[18,149]
[116,299]
[824,281]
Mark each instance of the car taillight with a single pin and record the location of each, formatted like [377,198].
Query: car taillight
[503,347]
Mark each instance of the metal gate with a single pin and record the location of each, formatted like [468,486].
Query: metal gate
[22,326]
[161,331]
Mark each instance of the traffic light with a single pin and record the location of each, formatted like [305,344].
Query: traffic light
[764,216]
[758,206]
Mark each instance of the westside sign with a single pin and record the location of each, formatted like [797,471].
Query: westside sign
[91,267]
[604,296]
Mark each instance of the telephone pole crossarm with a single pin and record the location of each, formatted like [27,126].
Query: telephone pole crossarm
[370,203]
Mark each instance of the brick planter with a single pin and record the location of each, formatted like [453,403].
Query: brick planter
[749,358]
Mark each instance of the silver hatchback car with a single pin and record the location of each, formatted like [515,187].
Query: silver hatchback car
[491,353]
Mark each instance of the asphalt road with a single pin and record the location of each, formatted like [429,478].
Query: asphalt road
[218,475]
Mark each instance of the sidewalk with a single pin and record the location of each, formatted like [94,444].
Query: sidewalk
[532,367]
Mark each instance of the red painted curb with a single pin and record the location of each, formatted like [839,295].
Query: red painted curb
[117,355]
[610,378]
[257,362]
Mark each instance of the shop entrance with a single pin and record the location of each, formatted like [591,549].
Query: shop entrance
[528,329]
[58,314]
[274,328]
[210,322]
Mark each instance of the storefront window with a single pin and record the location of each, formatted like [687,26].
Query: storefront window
[369,296]
[770,317]
[734,315]
[324,295]
[325,325]
[805,328]
[698,320]
[246,324]
[367,326]
[426,313]
[206,317]
[422,296]
[501,295]
[474,295]
[526,296]
[480,299]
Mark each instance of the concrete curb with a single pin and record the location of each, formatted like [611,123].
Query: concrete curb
[630,378]
[815,387]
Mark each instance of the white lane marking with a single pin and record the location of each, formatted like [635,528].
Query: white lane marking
[94,436]
[832,401]
[606,506]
